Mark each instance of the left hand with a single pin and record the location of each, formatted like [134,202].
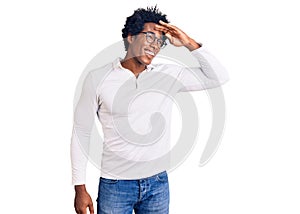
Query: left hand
[176,36]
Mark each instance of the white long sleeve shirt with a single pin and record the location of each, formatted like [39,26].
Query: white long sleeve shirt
[135,114]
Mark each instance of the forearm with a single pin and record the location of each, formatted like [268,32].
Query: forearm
[204,73]
[192,45]
[84,116]
[79,162]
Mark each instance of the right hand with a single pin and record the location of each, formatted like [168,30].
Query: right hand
[82,200]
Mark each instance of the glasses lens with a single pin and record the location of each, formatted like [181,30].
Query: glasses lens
[164,44]
[150,37]
[160,42]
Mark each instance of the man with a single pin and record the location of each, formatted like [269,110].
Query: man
[124,94]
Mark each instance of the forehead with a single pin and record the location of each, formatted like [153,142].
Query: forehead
[149,26]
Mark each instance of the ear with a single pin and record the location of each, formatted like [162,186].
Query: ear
[130,38]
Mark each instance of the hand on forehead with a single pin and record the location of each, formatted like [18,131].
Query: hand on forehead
[164,27]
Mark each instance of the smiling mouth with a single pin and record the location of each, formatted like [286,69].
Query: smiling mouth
[148,52]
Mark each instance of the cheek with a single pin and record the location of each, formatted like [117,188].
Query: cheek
[139,51]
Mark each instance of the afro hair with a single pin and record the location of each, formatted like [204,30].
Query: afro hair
[135,23]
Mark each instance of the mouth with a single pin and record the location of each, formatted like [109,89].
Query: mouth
[149,53]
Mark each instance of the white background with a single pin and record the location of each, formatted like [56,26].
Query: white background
[44,47]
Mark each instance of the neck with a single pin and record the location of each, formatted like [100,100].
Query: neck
[132,64]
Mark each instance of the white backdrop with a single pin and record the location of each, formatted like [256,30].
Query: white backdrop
[44,47]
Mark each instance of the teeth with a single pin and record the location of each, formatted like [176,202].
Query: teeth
[149,52]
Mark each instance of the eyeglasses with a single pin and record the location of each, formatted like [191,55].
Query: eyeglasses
[150,37]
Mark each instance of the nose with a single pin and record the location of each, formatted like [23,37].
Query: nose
[155,45]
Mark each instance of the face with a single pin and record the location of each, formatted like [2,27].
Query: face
[140,49]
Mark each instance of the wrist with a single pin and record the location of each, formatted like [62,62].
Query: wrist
[192,45]
[80,188]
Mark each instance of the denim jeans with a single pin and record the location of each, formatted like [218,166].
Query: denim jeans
[144,196]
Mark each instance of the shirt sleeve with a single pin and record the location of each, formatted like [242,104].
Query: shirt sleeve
[209,72]
[84,118]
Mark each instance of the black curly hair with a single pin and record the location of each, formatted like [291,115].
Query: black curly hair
[135,23]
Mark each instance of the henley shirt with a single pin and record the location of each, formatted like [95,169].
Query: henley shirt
[135,114]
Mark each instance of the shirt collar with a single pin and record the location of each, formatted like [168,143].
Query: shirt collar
[117,65]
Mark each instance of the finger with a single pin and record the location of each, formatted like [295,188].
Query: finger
[78,210]
[82,211]
[163,23]
[161,28]
[169,36]
[91,208]
[167,32]
[164,27]
[167,25]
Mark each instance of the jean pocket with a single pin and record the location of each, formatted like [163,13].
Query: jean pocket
[108,181]
[162,177]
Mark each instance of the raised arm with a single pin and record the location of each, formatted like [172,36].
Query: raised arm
[177,37]
[209,72]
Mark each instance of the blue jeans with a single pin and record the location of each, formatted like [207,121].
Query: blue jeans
[144,196]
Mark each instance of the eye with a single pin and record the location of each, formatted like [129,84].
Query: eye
[150,37]
[159,42]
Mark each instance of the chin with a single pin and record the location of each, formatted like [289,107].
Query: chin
[146,60]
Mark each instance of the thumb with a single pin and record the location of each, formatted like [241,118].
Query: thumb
[169,36]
